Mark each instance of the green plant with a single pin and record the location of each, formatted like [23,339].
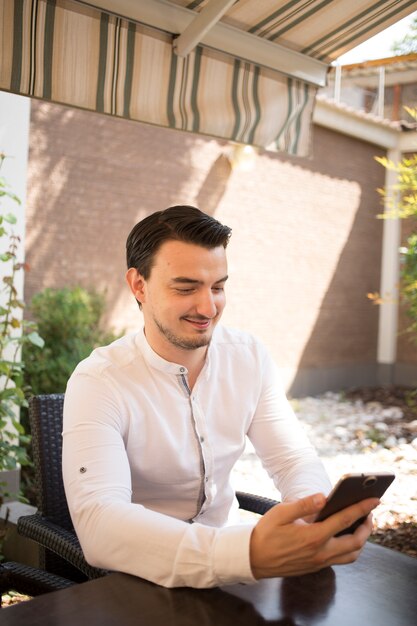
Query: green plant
[69,321]
[408,44]
[401,199]
[409,282]
[411,399]
[15,333]
[401,202]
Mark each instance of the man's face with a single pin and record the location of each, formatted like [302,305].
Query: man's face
[183,298]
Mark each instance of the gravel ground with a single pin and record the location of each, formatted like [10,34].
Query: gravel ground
[365,430]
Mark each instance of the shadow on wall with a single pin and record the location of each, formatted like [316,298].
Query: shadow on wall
[91,178]
[214,186]
[341,351]
[342,347]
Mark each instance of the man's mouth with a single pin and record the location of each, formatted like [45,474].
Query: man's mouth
[200,324]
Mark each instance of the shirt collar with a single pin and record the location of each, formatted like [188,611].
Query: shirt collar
[154,360]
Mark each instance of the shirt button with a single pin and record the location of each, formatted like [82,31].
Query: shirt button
[182,370]
[207,479]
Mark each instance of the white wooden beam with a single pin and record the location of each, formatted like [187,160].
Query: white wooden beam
[201,24]
[238,43]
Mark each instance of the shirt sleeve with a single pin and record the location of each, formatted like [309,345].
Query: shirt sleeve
[281,442]
[119,535]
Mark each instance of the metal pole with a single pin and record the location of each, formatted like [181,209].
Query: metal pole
[390,276]
[337,83]
[381,91]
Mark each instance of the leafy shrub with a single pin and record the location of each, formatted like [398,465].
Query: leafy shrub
[409,282]
[68,320]
[401,202]
[15,333]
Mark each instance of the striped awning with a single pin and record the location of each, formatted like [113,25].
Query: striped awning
[247,71]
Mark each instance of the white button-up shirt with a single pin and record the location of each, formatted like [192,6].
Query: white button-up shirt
[147,461]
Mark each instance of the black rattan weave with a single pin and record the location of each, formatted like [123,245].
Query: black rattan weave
[60,542]
[256,504]
[29,580]
[51,527]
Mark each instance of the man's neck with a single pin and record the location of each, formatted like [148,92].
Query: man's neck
[193,360]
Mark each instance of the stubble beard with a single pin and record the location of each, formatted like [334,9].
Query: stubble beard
[181,342]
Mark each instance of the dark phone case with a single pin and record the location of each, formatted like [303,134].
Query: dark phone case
[352,489]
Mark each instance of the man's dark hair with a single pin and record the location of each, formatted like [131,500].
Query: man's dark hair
[178,223]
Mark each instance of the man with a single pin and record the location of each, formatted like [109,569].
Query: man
[154,423]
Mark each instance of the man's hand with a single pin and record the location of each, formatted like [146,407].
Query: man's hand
[284,545]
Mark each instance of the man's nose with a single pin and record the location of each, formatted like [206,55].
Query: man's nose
[206,305]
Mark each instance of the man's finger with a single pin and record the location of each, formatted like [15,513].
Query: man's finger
[345,518]
[289,512]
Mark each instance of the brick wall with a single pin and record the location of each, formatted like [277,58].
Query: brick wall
[305,250]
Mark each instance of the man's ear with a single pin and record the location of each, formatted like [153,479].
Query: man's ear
[136,283]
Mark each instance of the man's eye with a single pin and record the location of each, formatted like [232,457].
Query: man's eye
[217,289]
[185,291]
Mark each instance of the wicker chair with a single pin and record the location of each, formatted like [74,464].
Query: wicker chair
[51,527]
[29,580]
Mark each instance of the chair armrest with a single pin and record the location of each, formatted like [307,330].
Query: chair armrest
[60,541]
[29,580]
[255,504]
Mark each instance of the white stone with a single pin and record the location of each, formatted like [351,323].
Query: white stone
[381,426]
[393,412]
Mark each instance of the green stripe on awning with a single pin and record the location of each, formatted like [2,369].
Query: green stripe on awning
[290,14]
[284,129]
[236,69]
[130,55]
[194,94]
[116,68]
[32,47]
[299,121]
[367,22]
[83,57]
[104,24]
[195,4]
[48,49]
[256,102]
[299,19]
[16,73]
[171,90]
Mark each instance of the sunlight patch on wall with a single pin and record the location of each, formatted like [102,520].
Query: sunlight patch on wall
[286,244]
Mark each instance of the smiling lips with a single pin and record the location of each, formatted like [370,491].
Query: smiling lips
[200,324]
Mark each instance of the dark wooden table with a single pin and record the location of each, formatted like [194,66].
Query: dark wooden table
[380,589]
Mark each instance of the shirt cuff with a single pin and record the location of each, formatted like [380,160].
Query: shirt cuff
[231,555]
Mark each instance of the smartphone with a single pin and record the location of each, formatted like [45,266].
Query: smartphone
[353,488]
